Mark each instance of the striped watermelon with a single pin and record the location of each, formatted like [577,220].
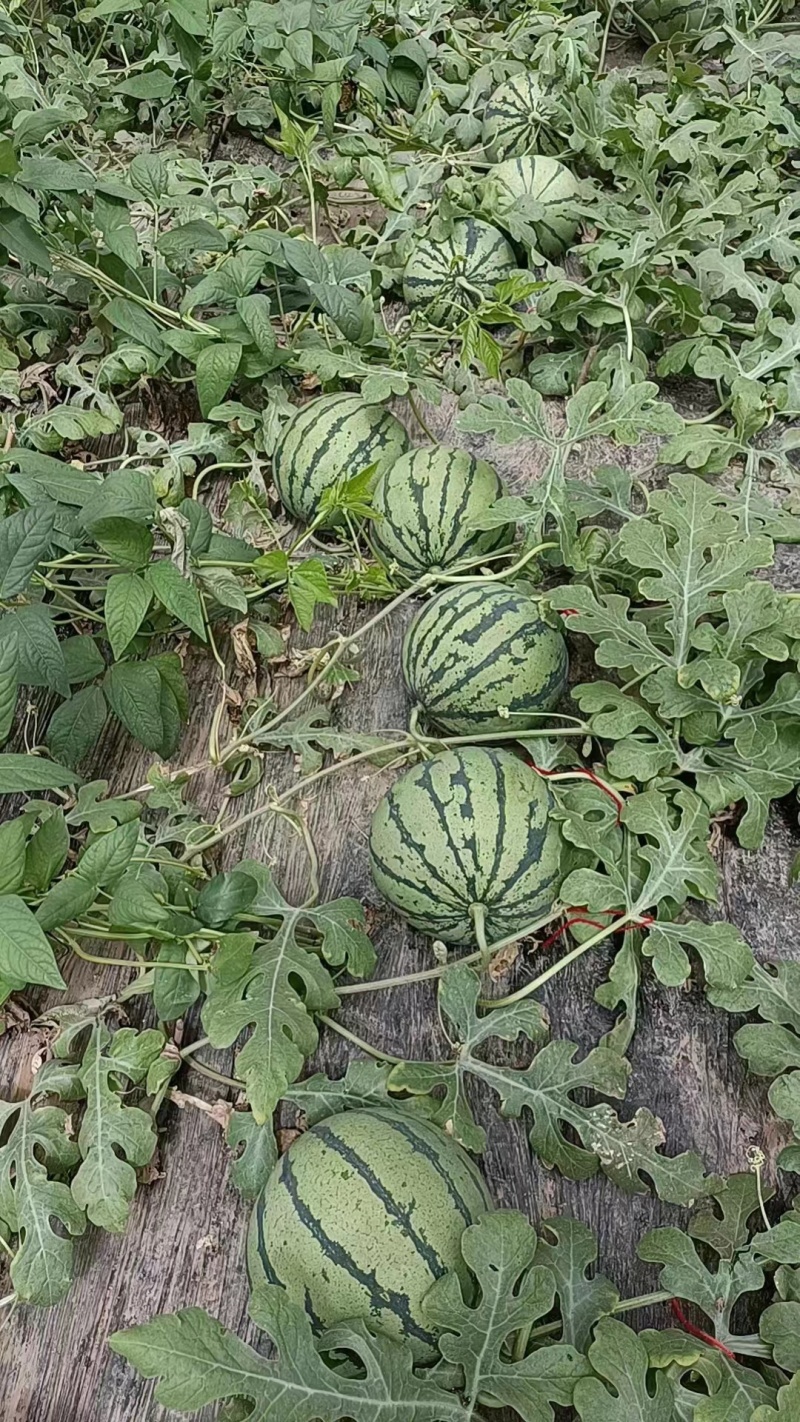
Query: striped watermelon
[666,18]
[333,438]
[546,180]
[514,117]
[361,1215]
[479,657]
[449,278]
[465,828]
[426,501]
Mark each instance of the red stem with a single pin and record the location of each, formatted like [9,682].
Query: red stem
[643,922]
[698,1332]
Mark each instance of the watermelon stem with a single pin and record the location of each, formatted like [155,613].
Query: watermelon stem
[477,913]
[359,1041]
[426,974]
[631,917]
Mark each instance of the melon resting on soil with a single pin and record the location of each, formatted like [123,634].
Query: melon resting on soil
[427,505]
[469,829]
[361,1215]
[330,440]
[479,657]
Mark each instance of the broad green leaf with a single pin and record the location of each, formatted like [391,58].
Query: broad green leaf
[191,15]
[25,954]
[46,852]
[255,312]
[127,599]
[216,367]
[255,1152]
[198,1362]
[37,476]
[41,1271]
[40,655]
[20,238]
[25,538]
[150,85]
[307,587]
[13,840]
[9,684]
[115,1138]
[183,241]
[31,773]
[101,865]
[174,992]
[582,1300]
[82,659]
[178,595]
[137,323]
[133,691]
[272,987]
[77,724]
[626,1393]
[512,1295]
[126,493]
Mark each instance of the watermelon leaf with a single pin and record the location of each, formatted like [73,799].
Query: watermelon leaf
[581,1299]
[339,923]
[272,987]
[197,1361]
[257,1153]
[458,996]
[513,1293]
[115,1138]
[37,1144]
[364,1085]
[625,1150]
[625,1394]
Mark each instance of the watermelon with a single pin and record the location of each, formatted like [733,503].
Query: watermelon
[426,502]
[450,278]
[666,18]
[360,1216]
[465,828]
[479,657]
[333,438]
[514,117]
[544,179]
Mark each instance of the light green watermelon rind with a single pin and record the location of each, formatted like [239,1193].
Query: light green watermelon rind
[478,657]
[361,1215]
[427,502]
[467,827]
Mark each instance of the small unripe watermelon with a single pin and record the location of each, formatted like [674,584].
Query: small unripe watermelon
[546,180]
[426,502]
[361,1215]
[479,657]
[467,828]
[514,117]
[450,278]
[328,440]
